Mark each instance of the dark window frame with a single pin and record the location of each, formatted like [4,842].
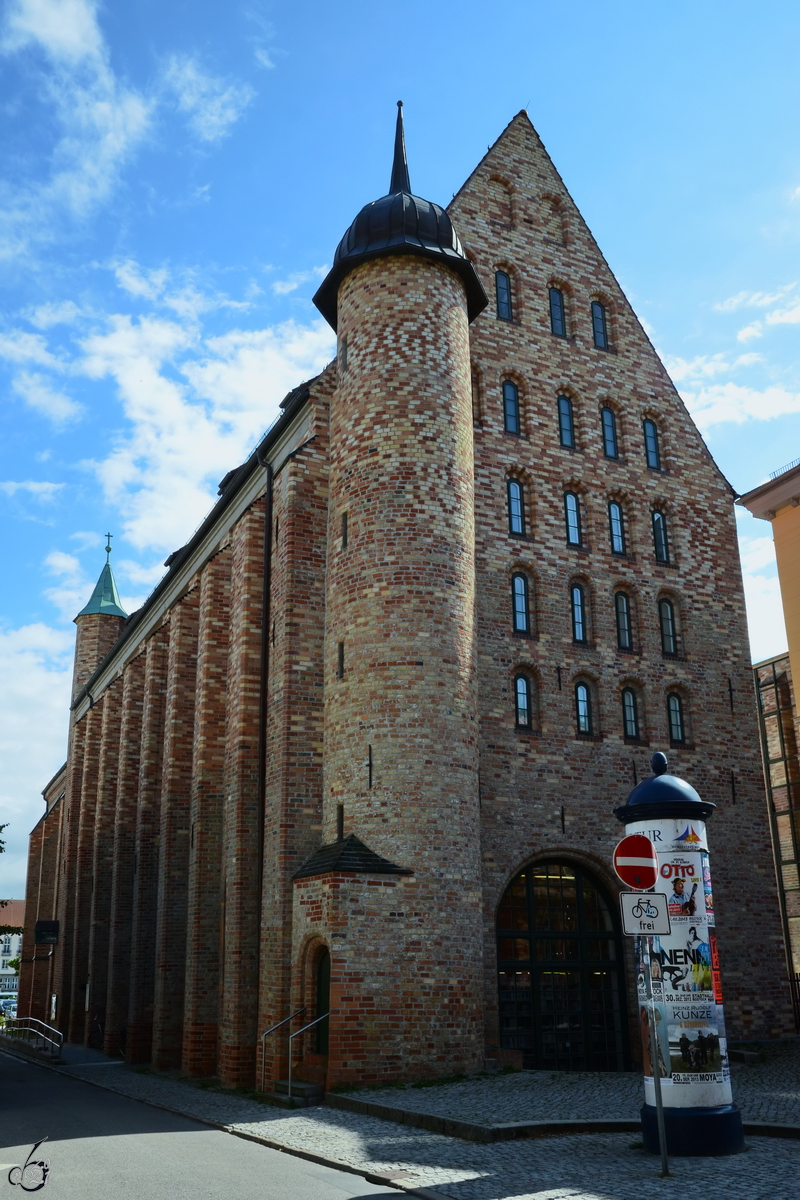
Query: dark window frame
[630,714]
[577,524]
[558,312]
[617,538]
[666,617]
[577,609]
[660,536]
[628,617]
[511,406]
[504,303]
[676,741]
[609,432]
[519,577]
[566,422]
[584,718]
[522,679]
[652,450]
[599,325]
[511,484]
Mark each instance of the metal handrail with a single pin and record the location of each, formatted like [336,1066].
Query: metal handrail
[24,1025]
[292,1036]
[272,1029]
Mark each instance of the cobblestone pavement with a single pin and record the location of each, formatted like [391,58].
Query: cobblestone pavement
[565,1167]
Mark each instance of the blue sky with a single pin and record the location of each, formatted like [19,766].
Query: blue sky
[175,177]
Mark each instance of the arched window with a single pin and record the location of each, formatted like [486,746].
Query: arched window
[323,1001]
[609,423]
[558,316]
[502,286]
[524,698]
[561,971]
[516,507]
[510,406]
[577,599]
[572,516]
[566,423]
[622,609]
[677,728]
[669,636]
[651,445]
[599,326]
[583,708]
[519,598]
[616,528]
[630,713]
[660,543]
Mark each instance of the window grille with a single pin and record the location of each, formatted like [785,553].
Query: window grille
[616,528]
[630,713]
[519,592]
[583,708]
[516,507]
[572,515]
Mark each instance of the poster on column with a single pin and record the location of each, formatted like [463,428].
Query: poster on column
[684,971]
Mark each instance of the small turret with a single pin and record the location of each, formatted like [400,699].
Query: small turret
[99,625]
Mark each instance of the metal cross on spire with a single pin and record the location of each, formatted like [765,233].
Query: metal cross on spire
[108,546]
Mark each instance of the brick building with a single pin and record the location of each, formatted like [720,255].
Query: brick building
[359,751]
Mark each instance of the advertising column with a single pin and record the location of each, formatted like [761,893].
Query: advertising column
[683,968]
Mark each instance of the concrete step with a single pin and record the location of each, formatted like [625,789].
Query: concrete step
[281,1100]
[312,1093]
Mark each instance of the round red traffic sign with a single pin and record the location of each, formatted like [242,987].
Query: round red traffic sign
[635,862]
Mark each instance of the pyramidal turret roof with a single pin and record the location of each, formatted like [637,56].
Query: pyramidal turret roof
[105,597]
[399,223]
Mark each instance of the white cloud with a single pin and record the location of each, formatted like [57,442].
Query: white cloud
[212,105]
[157,286]
[282,287]
[754,330]
[20,347]
[98,121]
[684,370]
[41,490]
[37,392]
[785,316]
[722,402]
[47,315]
[754,299]
[36,669]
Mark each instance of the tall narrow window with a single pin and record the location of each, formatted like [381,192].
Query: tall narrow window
[651,445]
[519,595]
[343,355]
[622,608]
[340,661]
[666,617]
[609,422]
[510,406]
[558,317]
[578,606]
[616,528]
[660,543]
[522,693]
[599,326]
[572,515]
[566,422]
[344,530]
[502,285]
[516,507]
[583,708]
[675,716]
[630,713]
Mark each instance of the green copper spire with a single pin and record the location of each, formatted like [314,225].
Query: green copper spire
[105,597]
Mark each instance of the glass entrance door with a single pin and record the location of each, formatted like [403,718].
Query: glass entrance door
[561,971]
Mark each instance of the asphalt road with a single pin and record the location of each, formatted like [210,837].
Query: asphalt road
[101,1145]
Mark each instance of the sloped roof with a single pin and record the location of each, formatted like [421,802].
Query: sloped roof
[351,854]
[105,597]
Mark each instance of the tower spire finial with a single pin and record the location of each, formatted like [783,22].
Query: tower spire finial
[400,181]
[108,546]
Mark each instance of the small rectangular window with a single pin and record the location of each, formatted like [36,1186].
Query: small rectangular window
[599,327]
[344,530]
[558,322]
[343,355]
[566,423]
[609,434]
[340,661]
[502,284]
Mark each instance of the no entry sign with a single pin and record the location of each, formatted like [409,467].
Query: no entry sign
[636,862]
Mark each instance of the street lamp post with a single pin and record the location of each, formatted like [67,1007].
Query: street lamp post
[678,977]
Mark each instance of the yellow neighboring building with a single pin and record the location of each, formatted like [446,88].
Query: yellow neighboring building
[778,502]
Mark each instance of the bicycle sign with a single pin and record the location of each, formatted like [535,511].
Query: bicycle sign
[644,913]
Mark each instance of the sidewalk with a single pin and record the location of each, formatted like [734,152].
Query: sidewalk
[588,1166]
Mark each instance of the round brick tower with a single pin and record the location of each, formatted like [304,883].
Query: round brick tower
[401,727]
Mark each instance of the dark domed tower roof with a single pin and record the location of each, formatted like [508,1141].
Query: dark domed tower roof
[399,223]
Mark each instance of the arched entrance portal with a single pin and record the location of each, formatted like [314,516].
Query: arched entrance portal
[559,952]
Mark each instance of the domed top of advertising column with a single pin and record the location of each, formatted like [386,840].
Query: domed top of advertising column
[663,795]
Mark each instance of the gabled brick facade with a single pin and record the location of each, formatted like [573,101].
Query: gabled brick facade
[334,653]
